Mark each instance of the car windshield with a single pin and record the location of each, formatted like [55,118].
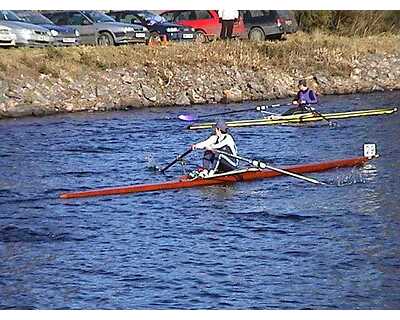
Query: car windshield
[7,15]
[98,16]
[151,18]
[35,18]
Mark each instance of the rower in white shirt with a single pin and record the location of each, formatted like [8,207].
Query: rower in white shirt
[220,140]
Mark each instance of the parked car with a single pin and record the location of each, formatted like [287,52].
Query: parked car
[7,37]
[289,20]
[63,36]
[268,24]
[205,22]
[27,34]
[97,28]
[156,24]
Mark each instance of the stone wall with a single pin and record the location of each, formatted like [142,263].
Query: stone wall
[144,86]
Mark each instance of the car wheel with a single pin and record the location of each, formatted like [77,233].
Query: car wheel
[105,39]
[154,36]
[200,36]
[256,34]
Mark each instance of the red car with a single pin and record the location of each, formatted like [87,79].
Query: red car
[205,22]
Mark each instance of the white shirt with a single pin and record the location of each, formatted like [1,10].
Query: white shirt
[216,143]
[228,14]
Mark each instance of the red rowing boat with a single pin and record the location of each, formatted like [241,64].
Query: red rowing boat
[227,178]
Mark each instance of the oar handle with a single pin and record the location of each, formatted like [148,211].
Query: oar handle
[264,107]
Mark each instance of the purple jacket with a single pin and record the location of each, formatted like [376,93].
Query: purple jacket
[308,96]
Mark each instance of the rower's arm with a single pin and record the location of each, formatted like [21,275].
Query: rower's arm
[206,143]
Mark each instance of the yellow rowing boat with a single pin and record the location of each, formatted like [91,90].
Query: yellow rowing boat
[298,118]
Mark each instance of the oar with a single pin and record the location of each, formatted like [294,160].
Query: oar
[193,117]
[176,160]
[262,165]
[312,110]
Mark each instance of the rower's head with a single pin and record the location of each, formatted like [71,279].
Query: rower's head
[220,126]
[302,85]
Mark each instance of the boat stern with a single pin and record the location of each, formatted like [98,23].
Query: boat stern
[370,150]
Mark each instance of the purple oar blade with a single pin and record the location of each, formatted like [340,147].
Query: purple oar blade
[187,117]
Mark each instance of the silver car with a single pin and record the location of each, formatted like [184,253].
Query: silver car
[26,34]
[63,36]
[97,28]
[7,37]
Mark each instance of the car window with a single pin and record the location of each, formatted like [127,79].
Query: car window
[203,14]
[98,16]
[129,18]
[34,17]
[260,13]
[186,15]
[150,17]
[169,16]
[60,19]
[74,18]
[9,16]
[283,13]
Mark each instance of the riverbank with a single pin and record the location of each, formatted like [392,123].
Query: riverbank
[54,80]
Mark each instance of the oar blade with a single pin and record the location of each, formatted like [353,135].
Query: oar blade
[187,117]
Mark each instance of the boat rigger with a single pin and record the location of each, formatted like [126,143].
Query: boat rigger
[299,118]
[248,174]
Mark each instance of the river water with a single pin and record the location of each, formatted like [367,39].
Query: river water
[273,244]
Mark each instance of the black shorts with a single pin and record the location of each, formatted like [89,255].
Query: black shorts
[297,110]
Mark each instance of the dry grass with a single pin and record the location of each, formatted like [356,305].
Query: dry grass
[307,52]
[321,52]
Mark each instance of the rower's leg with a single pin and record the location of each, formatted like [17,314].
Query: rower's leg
[296,110]
[290,112]
[225,164]
[209,160]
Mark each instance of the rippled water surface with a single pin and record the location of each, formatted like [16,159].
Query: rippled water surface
[280,243]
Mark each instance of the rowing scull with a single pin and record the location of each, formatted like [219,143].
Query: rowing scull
[227,178]
[298,118]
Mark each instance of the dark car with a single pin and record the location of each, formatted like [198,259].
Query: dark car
[157,25]
[268,24]
[63,36]
[97,28]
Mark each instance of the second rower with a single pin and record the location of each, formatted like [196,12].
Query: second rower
[303,101]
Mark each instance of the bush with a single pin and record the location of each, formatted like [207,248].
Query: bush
[349,23]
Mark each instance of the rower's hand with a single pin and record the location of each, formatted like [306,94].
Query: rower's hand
[295,102]
[310,109]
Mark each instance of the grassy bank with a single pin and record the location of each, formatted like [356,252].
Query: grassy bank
[308,52]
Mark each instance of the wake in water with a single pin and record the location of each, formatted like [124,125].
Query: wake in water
[353,177]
